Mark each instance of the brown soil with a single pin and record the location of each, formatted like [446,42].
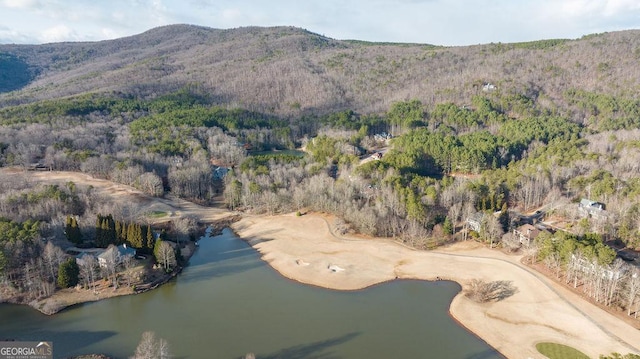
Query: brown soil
[305,248]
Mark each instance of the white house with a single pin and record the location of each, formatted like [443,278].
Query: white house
[121,252]
[489,87]
[589,208]
[474,221]
[526,233]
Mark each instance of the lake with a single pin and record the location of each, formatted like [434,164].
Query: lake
[228,302]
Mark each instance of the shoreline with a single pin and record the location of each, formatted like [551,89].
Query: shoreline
[124,195]
[304,249]
[68,298]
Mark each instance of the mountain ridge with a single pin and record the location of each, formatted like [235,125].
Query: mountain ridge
[289,71]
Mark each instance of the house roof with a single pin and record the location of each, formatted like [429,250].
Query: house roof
[585,202]
[476,217]
[122,251]
[83,256]
[527,227]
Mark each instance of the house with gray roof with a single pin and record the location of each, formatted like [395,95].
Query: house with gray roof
[121,252]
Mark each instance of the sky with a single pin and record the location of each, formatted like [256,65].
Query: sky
[438,22]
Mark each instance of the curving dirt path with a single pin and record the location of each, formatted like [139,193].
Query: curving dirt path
[173,206]
[306,248]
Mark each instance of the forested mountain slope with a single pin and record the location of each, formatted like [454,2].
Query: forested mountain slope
[290,71]
[457,137]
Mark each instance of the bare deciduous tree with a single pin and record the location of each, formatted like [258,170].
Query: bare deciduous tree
[491,229]
[88,271]
[128,263]
[110,264]
[510,242]
[151,347]
[632,291]
[52,256]
[150,183]
[185,227]
[481,291]
[166,255]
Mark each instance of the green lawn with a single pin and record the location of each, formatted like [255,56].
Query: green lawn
[157,214]
[559,351]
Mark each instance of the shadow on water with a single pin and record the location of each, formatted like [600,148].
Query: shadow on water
[235,298]
[311,351]
[205,272]
[61,344]
[221,259]
[211,256]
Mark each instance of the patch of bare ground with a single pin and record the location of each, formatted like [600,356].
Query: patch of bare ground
[511,321]
[174,207]
[64,298]
[307,249]
[537,310]
[148,278]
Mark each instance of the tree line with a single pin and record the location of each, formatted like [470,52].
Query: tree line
[585,262]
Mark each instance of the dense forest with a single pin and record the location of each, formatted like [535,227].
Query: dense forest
[398,140]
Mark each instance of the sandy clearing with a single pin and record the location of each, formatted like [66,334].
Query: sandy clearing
[174,206]
[304,249]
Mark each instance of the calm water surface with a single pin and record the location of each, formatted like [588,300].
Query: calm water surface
[228,302]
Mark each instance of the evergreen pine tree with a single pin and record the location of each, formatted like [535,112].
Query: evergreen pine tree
[104,229]
[112,238]
[138,236]
[99,235]
[156,250]
[504,218]
[447,226]
[120,237]
[72,231]
[149,242]
[68,273]
[67,229]
[131,236]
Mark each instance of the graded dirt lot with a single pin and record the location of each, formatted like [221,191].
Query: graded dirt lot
[305,249]
[125,195]
[174,207]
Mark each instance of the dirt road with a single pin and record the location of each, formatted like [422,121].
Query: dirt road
[307,250]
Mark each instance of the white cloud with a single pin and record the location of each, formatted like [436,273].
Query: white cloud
[231,14]
[596,9]
[158,7]
[108,33]
[615,7]
[576,8]
[8,35]
[20,4]
[58,33]
[443,22]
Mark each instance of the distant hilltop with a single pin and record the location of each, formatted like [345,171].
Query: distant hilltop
[289,71]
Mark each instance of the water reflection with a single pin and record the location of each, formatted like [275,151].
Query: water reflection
[228,302]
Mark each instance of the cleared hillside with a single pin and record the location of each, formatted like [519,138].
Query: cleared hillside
[289,71]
